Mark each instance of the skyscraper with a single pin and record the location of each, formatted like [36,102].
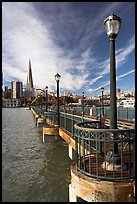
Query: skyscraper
[16,89]
[29,83]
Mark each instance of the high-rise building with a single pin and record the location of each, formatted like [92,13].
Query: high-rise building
[29,85]
[2,85]
[16,89]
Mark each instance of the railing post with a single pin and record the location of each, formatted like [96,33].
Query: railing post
[127,113]
[118,112]
[65,120]
[100,145]
[73,123]
[100,118]
[83,106]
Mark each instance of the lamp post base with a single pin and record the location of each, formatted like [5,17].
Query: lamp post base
[113,162]
[110,167]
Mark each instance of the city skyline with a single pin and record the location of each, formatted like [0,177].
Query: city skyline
[68,38]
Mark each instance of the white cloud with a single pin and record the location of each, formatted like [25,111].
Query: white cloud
[29,38]
[121,58]
[122,54]
[125,74]
[108,82]
[29,33]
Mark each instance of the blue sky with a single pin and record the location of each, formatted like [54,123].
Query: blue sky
[68,38]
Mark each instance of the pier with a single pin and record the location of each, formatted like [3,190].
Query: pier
[98,173]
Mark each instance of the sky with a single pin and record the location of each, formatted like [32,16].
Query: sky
[68,38]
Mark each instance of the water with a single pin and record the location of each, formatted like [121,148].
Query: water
[122,113]
[32,171]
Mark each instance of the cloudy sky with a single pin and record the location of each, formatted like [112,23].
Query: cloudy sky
[68,38]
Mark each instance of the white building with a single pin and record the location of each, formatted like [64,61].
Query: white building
[129,103]
[11,103]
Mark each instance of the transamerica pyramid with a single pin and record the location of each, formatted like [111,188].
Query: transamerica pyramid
[29,83]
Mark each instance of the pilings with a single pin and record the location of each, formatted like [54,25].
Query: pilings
[93,190]
[52,131]
[72,195]
[39,120]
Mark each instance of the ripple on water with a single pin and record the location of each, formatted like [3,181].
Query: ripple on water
[32,171]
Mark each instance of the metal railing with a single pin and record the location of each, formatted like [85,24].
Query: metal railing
[122,113]
[95,146]
[95,151]
[67,120]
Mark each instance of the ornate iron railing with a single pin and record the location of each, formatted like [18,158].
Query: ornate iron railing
[96,148]
[96,156]
[67,121]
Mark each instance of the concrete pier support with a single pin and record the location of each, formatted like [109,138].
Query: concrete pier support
[72,153]
[92,190]
[72,195]
[40,121]
[50,131]
[36,118]
[43,138]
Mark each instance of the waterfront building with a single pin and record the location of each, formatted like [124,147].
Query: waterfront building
[65,93]
[10,103]
[52,93]
[24,92]
[128,103]
[38,92]
[89,100]
[16,89]
[2,85]
[118,93]
[7,92]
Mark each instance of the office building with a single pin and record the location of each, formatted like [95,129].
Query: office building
[16,89]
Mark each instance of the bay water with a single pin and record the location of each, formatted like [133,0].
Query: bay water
[32,171]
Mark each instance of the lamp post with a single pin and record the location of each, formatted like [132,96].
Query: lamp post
[46,88]
[83,105]
[112,25]
[57,78]
[100,113]
[102,89]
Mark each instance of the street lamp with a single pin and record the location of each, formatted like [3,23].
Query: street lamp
[83,105]
[46,89]
[112,25]
[57,78]
[102,89]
